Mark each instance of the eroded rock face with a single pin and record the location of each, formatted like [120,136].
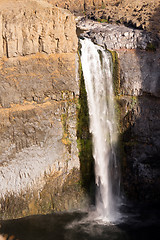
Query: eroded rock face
[140,119]
[79,5]
[38,109]
[113,36]
[140,97]
[37,78]
[142,14]
[36,27]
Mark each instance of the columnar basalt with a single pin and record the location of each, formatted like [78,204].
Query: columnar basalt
[39,164]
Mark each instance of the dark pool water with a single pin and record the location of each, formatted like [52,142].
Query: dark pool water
[74,226]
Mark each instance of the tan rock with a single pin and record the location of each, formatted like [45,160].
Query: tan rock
[38,113]
[35,26]
[79,5]
[142,14]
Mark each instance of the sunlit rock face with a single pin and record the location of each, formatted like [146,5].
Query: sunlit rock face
[138,99]
[38,109]
[79,5]
[142,14]
[35,27]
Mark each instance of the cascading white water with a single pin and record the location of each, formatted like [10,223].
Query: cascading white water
[97,72]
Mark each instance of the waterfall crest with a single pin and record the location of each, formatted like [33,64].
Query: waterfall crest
[97,71]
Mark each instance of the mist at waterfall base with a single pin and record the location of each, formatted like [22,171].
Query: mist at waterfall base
[73,226]
[106,222]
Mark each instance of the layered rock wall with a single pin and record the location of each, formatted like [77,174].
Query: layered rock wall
[39,165]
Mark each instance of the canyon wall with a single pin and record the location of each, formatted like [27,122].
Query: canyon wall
[137,87]
[39,164]
[39,92]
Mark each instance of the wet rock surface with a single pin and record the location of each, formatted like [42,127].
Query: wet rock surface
[138,59]
[140,139]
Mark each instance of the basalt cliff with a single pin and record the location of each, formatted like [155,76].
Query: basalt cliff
[45,146]
[39,162]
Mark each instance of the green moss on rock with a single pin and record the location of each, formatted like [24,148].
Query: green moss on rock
[84,138]
[151,47]
[56,195]
[102,20]
[116,73]
[65,138]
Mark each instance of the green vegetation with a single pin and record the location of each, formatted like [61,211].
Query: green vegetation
[84,137]
[116,73]
[102,20]
[125,109]
[151,47]
[69,99]
[103,5]
[65,138]
[134,100]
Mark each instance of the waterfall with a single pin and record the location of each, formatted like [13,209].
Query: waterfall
[97,72]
